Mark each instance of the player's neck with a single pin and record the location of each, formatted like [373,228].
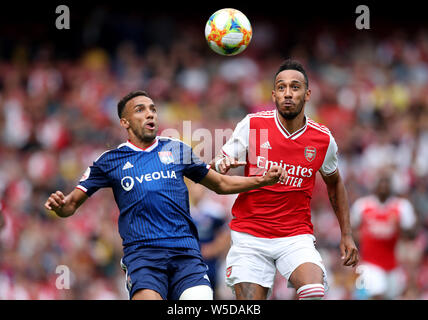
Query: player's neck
[141,144]
[292,125]
[383,198]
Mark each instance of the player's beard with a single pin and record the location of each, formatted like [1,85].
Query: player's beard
[145,135]
[290,115]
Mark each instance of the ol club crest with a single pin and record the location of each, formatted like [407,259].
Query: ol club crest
[310,153]
[166,157]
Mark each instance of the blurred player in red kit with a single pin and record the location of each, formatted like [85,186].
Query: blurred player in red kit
[380,219]
[271,228]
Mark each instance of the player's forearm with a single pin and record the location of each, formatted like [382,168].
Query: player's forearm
[65,206]
[339,202]
[236,184]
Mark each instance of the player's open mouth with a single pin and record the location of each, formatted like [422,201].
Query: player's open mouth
[150,125]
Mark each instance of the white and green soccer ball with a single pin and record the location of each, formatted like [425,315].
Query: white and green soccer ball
[228,32]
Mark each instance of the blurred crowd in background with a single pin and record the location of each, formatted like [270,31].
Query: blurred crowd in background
[58,114]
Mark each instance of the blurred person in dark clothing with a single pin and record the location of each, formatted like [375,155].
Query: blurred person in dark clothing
[214,234]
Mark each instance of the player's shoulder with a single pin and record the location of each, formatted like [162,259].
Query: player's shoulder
[113,153]
[366,201]
[318,127]
[400,201]
[262,114]
[105,155]
[172,142]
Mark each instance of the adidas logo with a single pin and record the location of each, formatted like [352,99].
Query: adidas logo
[266,145]
[127,165]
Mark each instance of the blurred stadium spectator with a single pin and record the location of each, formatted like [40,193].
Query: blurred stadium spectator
[57,113]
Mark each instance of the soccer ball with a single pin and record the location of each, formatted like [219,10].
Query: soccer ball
[228,32]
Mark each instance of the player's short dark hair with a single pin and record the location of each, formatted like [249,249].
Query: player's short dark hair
[129,96]
[291,64]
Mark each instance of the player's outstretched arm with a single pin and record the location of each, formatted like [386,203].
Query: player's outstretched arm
[223,184]
[339,201]
[65,206]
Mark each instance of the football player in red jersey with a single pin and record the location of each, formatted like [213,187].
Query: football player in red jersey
[380,220]
[271,227]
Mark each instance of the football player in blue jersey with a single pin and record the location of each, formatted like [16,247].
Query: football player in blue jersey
[162,258]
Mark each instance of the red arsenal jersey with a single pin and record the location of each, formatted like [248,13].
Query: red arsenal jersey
[380,225]
[281,210]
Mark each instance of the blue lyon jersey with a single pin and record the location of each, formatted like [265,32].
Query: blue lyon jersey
[149,189]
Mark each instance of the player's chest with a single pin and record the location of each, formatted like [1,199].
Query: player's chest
[148,170]
[302,151]
[381,220]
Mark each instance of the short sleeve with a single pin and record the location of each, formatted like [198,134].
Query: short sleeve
[407,215]
[92,180]
[196,169]
[330,163]
[237,145]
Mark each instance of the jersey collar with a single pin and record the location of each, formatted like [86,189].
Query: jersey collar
[129,144]
[284,131]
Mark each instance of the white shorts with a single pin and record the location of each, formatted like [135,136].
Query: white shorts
[255,260]
[374,281]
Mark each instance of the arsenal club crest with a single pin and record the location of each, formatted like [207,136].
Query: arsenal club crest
[310,153]
[166,157]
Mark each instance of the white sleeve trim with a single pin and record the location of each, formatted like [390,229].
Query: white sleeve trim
[407,215]
[330,163]
[82,188]
[237,145]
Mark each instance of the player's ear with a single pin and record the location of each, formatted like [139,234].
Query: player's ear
[273,96]
[124,123]
[307,95]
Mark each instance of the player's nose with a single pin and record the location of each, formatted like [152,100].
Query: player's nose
[150,114]
[288,93]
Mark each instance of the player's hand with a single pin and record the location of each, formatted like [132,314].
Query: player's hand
[274,175]
[55,202]
[223,165]
[349,251]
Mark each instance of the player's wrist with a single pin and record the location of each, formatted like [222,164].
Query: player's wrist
[217,164]
[263,180]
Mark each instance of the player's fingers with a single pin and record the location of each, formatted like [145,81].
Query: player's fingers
[276,173]
[342,252]
[283,176]
[47,205]
[55,200]
[347,258]
[222,167]
[60,195]
[354,258]
[238,164]
[350,259]
[51,204]
[226,162]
